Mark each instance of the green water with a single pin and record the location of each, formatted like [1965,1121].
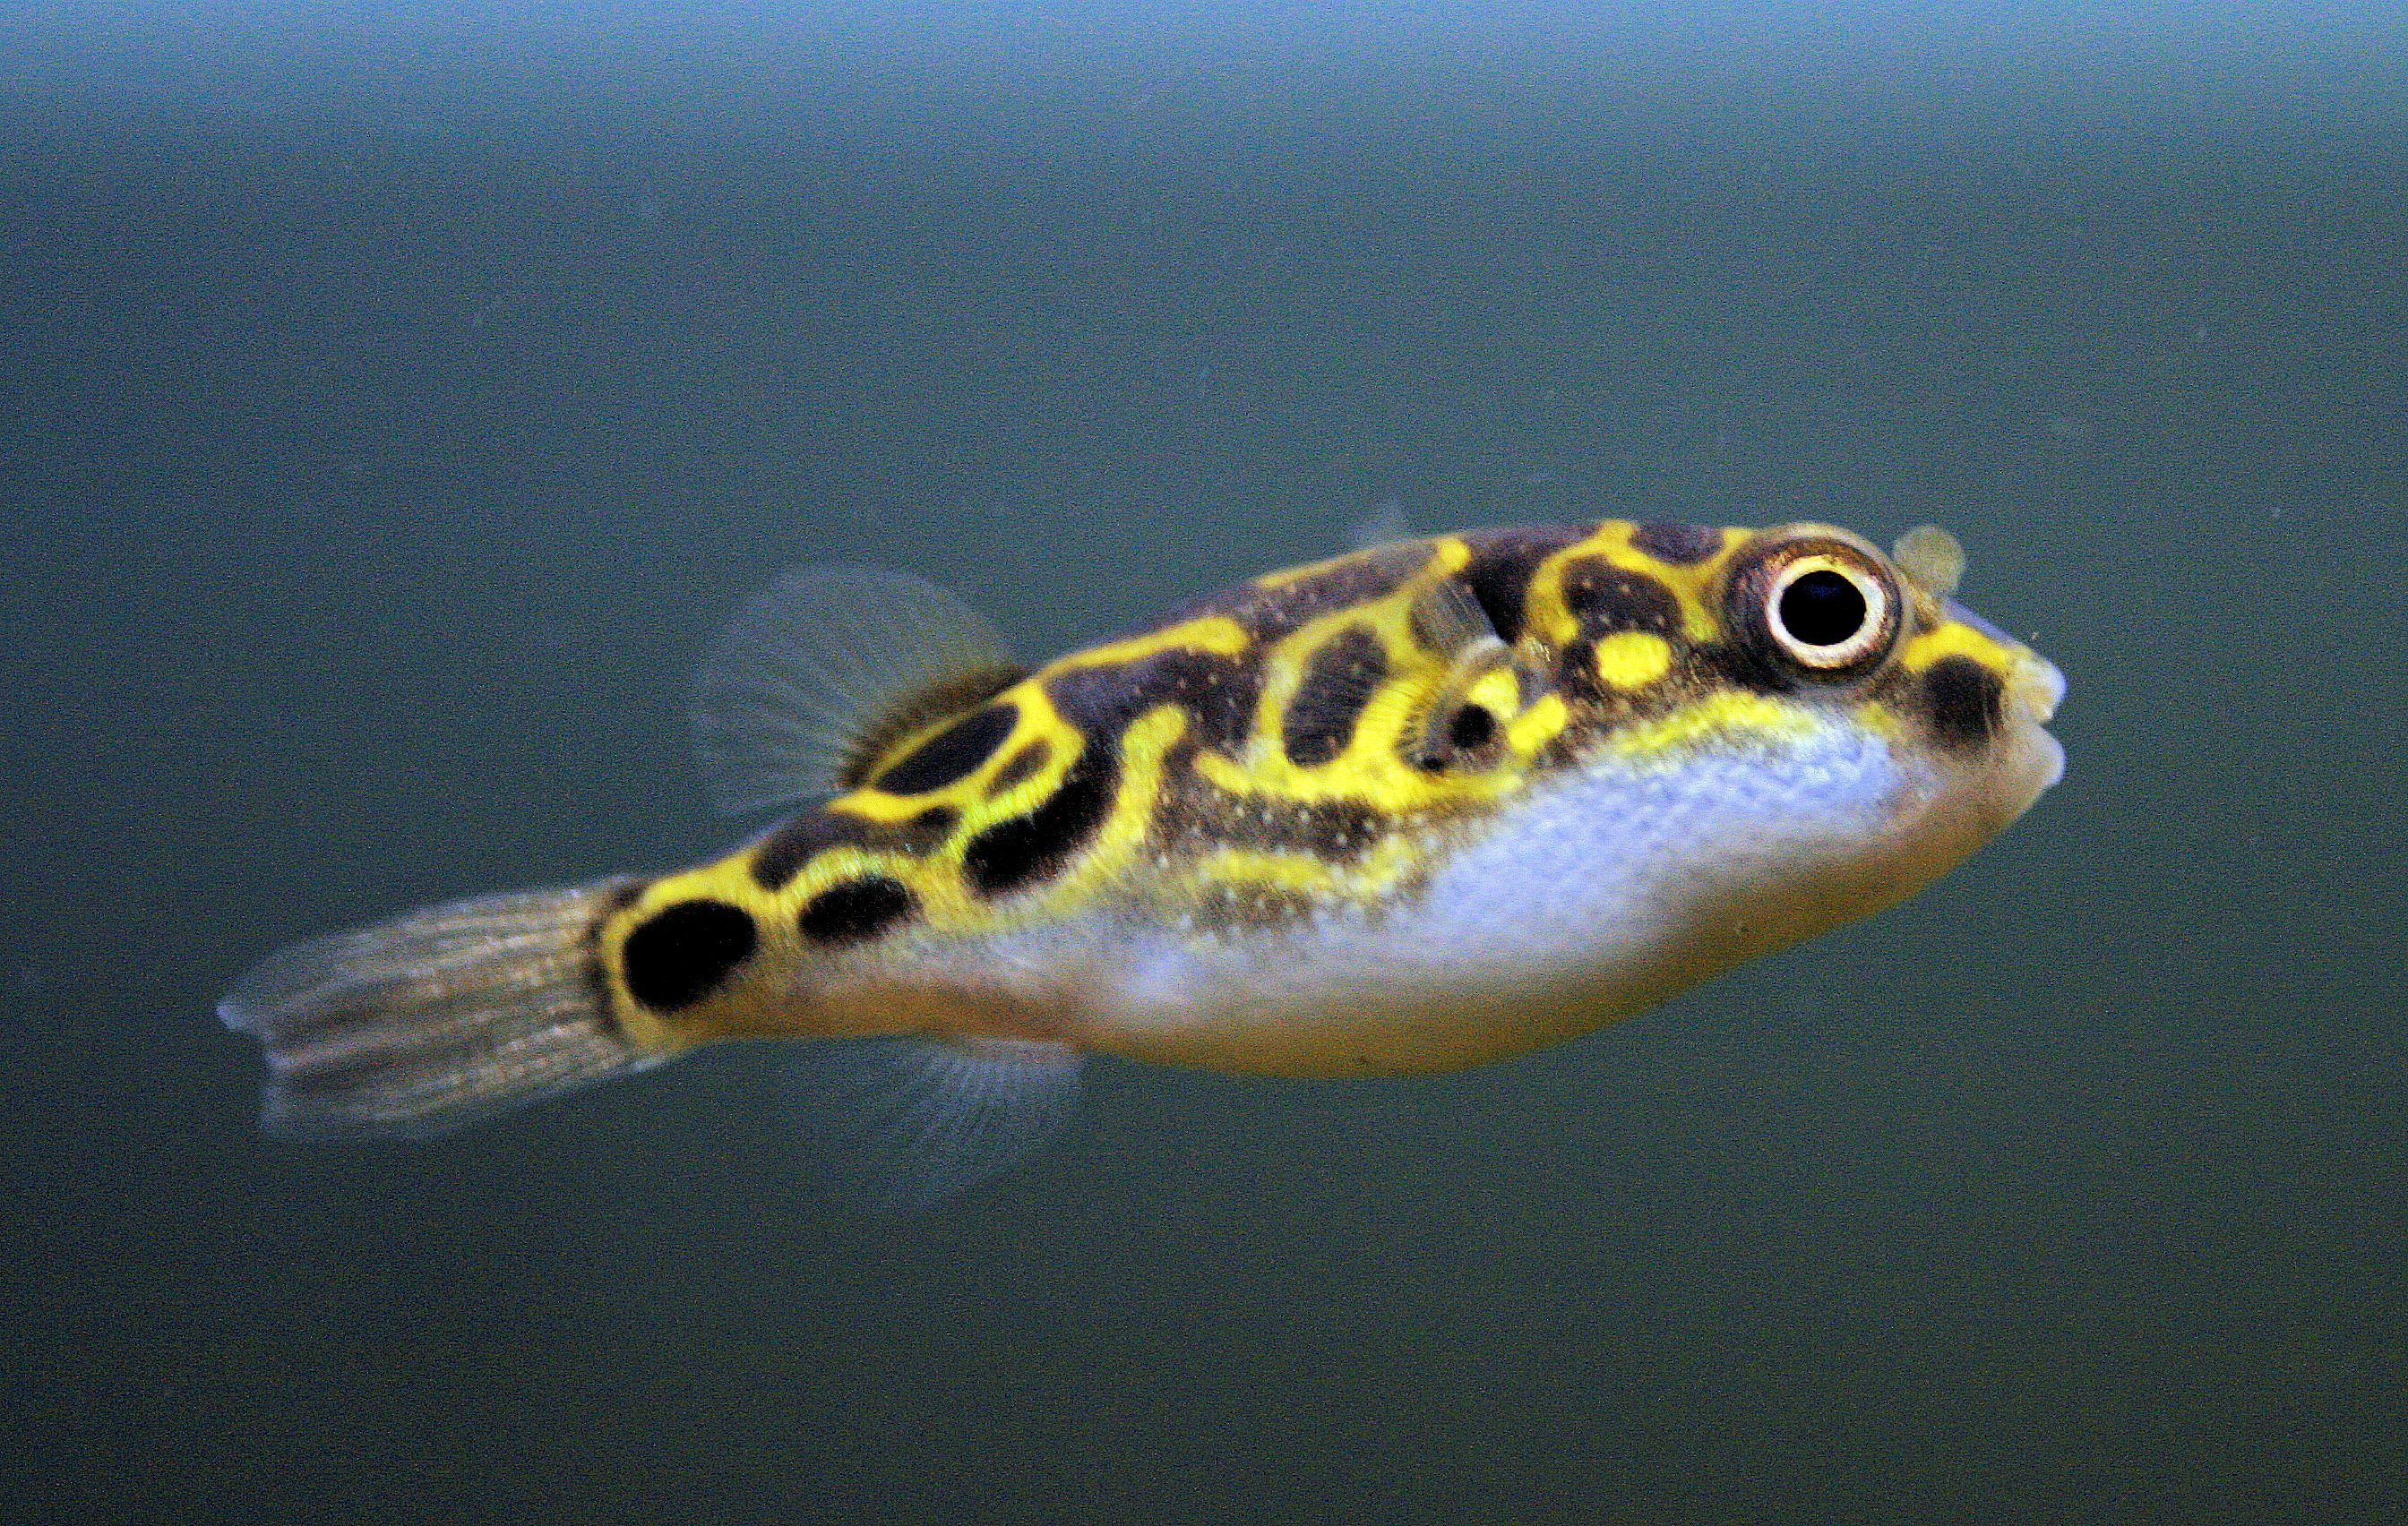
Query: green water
[372,478]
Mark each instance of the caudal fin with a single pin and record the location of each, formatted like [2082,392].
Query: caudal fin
[440,1018]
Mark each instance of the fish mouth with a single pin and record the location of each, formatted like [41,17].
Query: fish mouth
[2035,687]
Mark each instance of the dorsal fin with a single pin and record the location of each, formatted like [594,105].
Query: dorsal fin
[816,678]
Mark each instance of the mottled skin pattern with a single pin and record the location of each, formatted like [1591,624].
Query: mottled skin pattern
[1315,738]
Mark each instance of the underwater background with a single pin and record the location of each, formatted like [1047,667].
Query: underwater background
[394,404]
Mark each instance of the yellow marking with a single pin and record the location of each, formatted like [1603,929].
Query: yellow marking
[1730,713]
[871,804]
[1881,720]
[1958,639]
[967,794]
[1374,769]
[1306,874]
[1216,634]
[1535,727]
[1453,553]
[1499,689]
[1298,870]
[1632,658]
[1545,612]
[1287,576]
[1370,768]
[1107,856]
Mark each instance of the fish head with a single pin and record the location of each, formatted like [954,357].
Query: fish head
[1808,730]
[1815,619]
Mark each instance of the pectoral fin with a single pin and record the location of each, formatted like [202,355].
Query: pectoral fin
[1478,692]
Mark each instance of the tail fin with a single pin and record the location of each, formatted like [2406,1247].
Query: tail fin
[440,1018]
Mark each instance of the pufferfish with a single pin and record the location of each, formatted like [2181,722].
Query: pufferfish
[1408,810]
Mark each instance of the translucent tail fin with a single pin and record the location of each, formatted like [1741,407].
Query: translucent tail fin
[437,1019]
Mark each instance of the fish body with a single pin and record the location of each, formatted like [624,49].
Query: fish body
[1406,810]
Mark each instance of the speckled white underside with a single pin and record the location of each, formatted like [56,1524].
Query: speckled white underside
[1594,895]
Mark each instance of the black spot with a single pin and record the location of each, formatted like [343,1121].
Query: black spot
[1682,545]
[856,910]
[952,754]
[781,854]
[1472,728]
[1822,608]
[1605,598]
[947,696]
[1339,681]
[1018,852]
[1502,563]
[1021,766]
[1965,700]
[1217,692]
[684,952]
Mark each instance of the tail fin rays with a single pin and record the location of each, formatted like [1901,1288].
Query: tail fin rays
[437,1018]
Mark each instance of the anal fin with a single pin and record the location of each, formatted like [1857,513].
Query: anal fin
[900,1125]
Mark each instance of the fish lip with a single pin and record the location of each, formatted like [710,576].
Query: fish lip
[2035,687]
[2038,685]
[2051,755]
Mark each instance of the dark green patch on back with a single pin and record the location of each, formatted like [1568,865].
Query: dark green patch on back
[1682,545]
[952,754]
[1339,681]
[1020,852]
[781,854]
[1605,598]
[1270,613]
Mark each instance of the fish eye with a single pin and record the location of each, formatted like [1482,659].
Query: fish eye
[1829,611]
[1821,608]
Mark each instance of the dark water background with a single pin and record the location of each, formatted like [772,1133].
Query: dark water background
[387,419]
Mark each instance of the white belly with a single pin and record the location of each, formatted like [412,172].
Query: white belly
[1593,897]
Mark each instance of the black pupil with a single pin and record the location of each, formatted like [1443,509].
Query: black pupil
[1471,728]
[1822,608]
